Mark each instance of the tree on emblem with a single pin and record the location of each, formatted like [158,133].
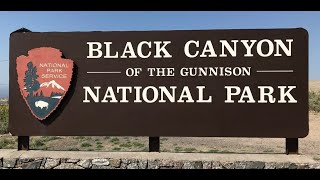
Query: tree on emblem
[30,81]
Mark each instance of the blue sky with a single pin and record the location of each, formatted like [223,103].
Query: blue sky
[105,21]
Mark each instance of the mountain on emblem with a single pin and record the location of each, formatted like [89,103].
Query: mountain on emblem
[52,84]
[44,79]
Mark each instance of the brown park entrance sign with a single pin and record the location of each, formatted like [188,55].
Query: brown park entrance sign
[219,83]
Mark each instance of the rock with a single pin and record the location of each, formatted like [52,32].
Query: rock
[115,163]
[51,163]
[216,165]
[153,164]
[255,165]
[293,166]
[86,163]
[23,161]
[314,166]
[302,166]
[100,162]
[133,165]
[63,160]
[228,165]
[32,165]
[43,163]
[198,165]
[187,165]
[273,165]
[73,160]
[104,163]
[124,163]
[110,167]
[192,165]
[165,167]
[98,167]
[239,165]
[166,163]
[9,163]
[68,166]
[284,165]
[123,166]
[270,165]
[206,164]
[177,165]
[143,164]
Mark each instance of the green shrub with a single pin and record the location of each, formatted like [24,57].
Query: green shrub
[38,142]
[190,149]
[6,143]
[98,143]
[99,146]
[178,149]
[113,140]
[116,149]
[73,149]
[126,145]
[4,118]
[137,144]
[314,101]
[86,144]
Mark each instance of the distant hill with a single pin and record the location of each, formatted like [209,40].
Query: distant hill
[4,92]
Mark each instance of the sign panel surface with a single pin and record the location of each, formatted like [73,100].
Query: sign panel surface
[221,83]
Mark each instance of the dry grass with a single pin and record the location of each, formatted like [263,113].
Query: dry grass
[314,85]
[4,117]
[314,101]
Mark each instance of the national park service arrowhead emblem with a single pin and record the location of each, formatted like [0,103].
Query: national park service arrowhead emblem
[44,78]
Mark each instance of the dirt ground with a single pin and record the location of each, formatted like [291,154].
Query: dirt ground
[308,146]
